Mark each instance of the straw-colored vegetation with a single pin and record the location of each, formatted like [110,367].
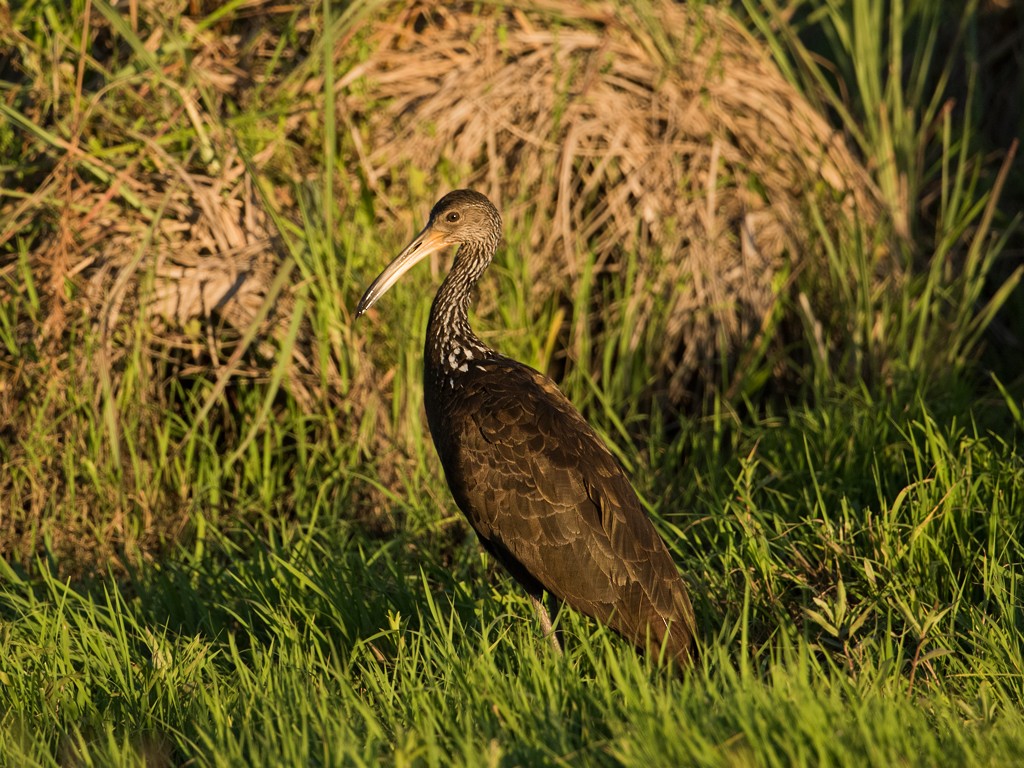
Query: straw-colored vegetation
[772,252]
[666,132]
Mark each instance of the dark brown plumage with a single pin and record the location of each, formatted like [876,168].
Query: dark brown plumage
[539,487]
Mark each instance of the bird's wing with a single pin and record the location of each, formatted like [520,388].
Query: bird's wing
[542,489]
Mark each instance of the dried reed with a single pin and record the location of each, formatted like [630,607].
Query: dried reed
[671,135]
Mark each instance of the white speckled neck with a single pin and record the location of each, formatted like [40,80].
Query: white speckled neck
[451,343]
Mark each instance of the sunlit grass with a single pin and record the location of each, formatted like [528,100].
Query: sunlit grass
[840,621]
[854,550]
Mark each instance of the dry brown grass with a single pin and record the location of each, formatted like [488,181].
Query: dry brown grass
[596,130]
[179,277]
[137,251]
[670,134]
[600,133]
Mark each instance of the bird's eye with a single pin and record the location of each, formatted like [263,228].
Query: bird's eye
[452,216]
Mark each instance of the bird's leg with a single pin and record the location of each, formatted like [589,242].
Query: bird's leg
[545,623]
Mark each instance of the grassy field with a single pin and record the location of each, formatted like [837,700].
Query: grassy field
[211,561]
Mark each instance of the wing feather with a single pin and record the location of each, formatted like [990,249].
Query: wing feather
[547,497]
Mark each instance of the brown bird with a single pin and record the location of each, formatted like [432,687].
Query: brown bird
[540,488]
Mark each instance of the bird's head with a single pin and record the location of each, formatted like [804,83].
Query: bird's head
[462,217]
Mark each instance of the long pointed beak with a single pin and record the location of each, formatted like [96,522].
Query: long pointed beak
[425,243]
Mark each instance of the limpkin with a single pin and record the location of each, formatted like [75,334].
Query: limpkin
[540,488]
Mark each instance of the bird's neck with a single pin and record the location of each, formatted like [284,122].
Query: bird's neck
[451,343]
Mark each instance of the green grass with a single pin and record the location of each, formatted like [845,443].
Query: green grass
[855,552]
[849,614]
